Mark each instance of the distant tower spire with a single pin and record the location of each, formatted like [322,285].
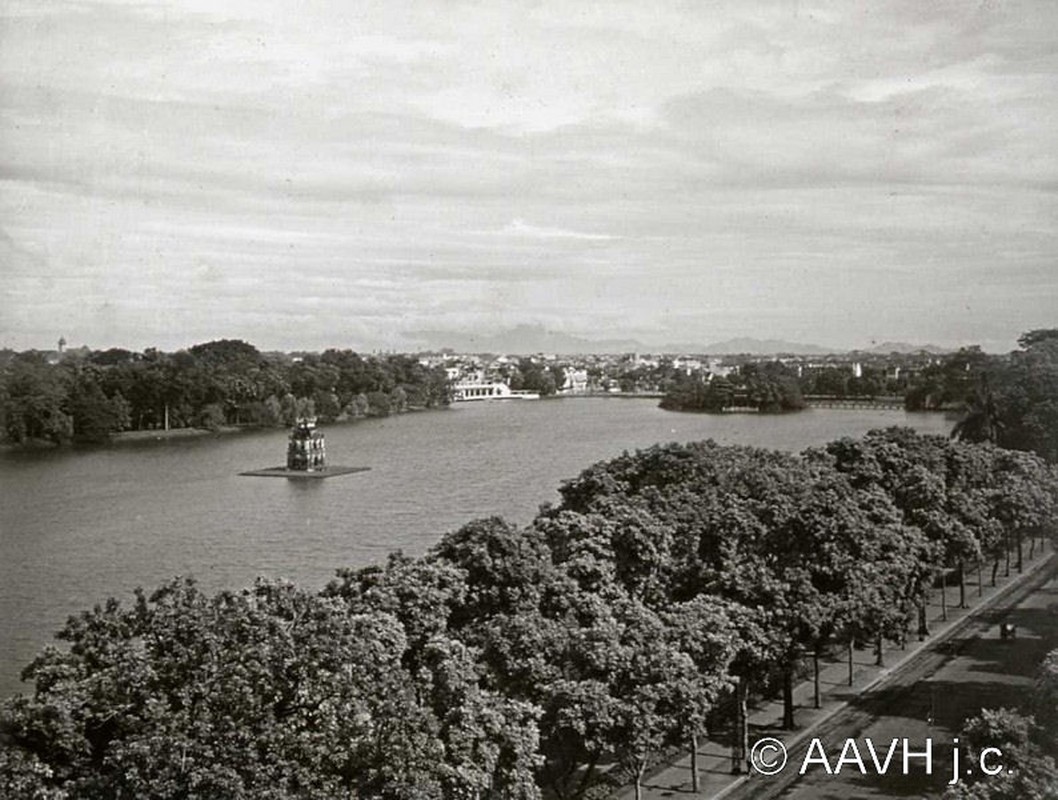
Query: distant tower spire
[62,343]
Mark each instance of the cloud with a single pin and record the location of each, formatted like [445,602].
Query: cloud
[709,171]
[517,227]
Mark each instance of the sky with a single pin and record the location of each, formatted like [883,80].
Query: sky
[344,173]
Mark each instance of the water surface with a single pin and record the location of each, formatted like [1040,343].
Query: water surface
[78,526]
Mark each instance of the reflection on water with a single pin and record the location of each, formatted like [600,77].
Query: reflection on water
[77,526]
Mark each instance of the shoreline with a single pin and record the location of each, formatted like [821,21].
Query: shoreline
[139,437]
[175,433]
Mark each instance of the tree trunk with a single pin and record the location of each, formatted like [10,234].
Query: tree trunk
[850,662]
[741,744]
[640,768]
[589,771]
[980,589]
[1032,546]
[1006,548]
[962,585]
[1020,559]
[694,763]
[879,650]
[787,698]
[995,571]
[816,700]
[923,626]
[944,595]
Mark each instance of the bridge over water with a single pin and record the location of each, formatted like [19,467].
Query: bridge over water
[831,401]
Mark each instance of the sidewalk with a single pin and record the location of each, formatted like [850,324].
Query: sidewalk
[714,759]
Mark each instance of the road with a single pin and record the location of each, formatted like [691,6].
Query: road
[928,697]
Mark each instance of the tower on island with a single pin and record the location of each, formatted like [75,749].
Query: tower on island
[306,459]
[305,450]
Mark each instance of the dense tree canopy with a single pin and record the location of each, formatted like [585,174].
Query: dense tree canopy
[768,387]
[665,589]
[1014,401]
[273,693]
[225,382]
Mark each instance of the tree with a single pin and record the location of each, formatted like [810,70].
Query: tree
[768,387]
[1025,496]
[398,399]
[707,630]
[533,377]
[505,568]
[326,405]
[94,415]
[358,406]
[270,692]
[912,471]
[1027,771]
[490,743]
[35,403]
[981,421]
[951,384]
[1028,745]
[1045,701]
[230,353]
[113,357]
[224,382]
[810,553]
[652,682]
[635,544]
[1017,399]
[211,417]
[378,404]
[420,594]
[24,775]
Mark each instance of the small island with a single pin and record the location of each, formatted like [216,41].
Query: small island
[766,388]
[306,456]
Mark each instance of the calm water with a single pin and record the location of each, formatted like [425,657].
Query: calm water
[79,526]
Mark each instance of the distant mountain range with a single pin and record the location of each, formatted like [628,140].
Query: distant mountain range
[525,339]
[902,347]
[763,347]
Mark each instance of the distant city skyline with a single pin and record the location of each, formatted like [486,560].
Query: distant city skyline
[532,340]
[327,174]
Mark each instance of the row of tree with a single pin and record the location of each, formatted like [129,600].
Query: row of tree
[88,396]
[873,380]
[665,590]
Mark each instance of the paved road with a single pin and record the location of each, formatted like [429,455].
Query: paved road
[930,696]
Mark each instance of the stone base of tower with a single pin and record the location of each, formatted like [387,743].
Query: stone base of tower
[300,474]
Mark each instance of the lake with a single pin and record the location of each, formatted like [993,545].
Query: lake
[80,525]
